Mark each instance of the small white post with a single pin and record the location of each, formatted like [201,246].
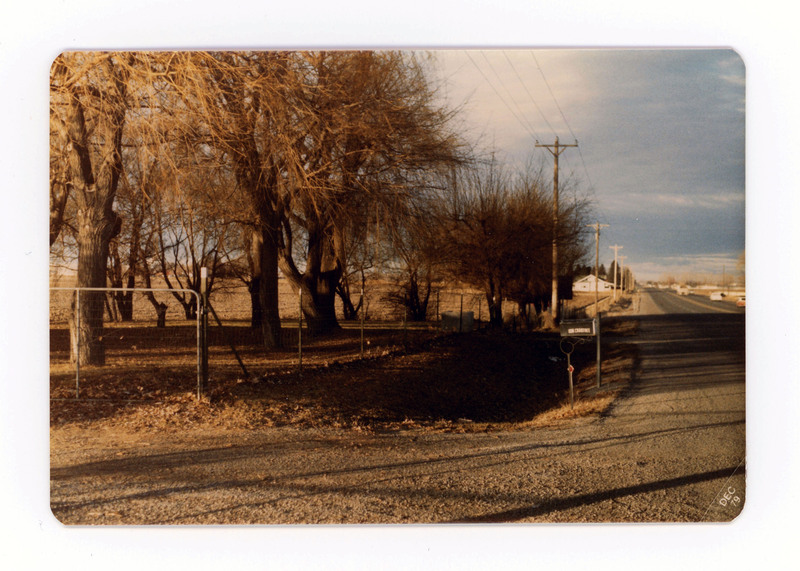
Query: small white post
[363,310]
[300,329]
[78,343]
[204,319]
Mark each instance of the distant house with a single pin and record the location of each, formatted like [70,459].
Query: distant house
[586,284]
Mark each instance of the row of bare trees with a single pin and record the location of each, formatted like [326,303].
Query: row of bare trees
[320,166]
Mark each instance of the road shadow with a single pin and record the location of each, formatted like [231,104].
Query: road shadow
[581,500]
[686,352]
[167,476]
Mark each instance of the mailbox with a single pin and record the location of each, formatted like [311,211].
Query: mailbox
[578,328]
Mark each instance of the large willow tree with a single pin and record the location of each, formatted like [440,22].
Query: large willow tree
[312,142]
[371,135]
[90,98]
[316,140]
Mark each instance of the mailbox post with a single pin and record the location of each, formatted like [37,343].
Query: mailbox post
[572,332]
[567,350]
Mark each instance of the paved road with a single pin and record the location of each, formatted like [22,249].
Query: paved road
[671,449]
[658,302]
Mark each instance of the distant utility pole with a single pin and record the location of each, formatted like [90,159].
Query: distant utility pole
[723,278]
[555,149]
[597,227]
[616,268]
[622,270]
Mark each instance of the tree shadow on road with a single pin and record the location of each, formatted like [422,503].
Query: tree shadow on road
[572,502]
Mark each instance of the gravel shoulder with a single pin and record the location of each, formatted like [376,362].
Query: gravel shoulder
[670,448]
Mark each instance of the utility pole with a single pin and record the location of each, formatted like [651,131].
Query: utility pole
[616,268]
[555,149]
[597,227]
[622,269]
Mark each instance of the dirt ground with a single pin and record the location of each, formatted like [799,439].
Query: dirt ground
[141,411]
[400,439]
[421,378]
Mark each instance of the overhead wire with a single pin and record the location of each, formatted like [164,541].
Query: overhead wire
[547,83]
[514,69]
[569,127]
[528,128]
[531,128]
[519,115]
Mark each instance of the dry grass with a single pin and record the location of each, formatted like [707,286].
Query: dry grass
[460,383]
[419,378]
[586,406]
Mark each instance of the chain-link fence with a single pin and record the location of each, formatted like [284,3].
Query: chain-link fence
[153,335]
[147,343]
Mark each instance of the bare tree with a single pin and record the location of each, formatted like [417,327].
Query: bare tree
[125,249]
[243,108]
[371,130]
[498,236]
[307,144]
[89,102]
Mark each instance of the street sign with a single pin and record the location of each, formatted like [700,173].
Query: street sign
[578,328]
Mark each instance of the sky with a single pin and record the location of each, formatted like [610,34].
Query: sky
[661,142]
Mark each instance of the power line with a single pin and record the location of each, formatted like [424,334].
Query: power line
[566,122]
[520,116]
[529,94]
[541,71]
[528,129]
[531,128]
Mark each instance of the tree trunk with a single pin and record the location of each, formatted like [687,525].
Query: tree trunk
[254,287]
[495,303]
[93,238]
[319,289]
[161,308]
[349,309]
[189,304]
[268,290]
[58,204]
[319,302]
[256,314]
[125,300]
[94,162]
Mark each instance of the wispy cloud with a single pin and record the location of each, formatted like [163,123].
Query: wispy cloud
[661,135]
[647,203]
[710,266]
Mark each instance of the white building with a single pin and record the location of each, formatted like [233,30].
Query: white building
[586,284]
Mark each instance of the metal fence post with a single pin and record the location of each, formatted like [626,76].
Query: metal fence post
[571,392]
[204,319]
[363,310]
[461,314]
[77,343]
[599,360]
[75,320]
[300,329]
[200,345]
